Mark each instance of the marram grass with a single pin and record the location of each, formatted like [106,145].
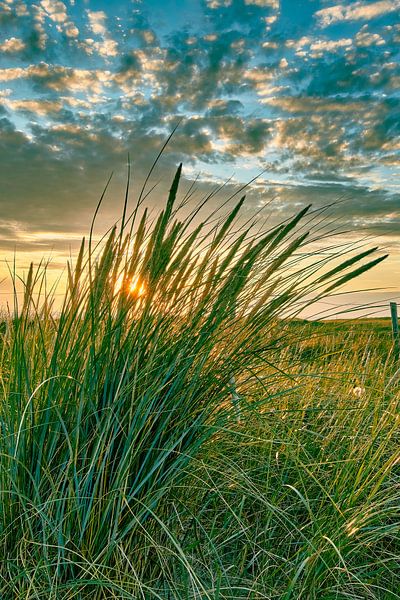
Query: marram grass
[124,472]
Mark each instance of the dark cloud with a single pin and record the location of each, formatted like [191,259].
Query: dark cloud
[221,108]
[239,15]
[367,211]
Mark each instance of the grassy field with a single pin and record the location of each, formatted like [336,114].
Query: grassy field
[173,431]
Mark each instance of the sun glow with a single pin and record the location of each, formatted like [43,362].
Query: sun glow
[137,287]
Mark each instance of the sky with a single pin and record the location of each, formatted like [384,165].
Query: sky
[303,93]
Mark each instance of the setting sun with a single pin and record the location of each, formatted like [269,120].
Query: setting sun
[137,287]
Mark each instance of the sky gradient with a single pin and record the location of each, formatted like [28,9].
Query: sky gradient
[304,91]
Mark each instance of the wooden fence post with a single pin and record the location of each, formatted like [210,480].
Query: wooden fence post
[395,330]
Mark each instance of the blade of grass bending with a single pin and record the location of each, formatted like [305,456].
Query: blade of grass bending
[125,206]
[153,166]
[346,264]
[291,225]
[100,202]
[228,222]
[355,273]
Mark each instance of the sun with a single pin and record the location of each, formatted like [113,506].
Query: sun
[137,287]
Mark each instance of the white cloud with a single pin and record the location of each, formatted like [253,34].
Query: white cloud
[328,45]
[12,74]
[316,105]
[71,30]
[270,20]
[270,45]
[320,47]
[5,6]
[148,36]
[56,10]
[38,107]
[218,3]
[258,75]
[97,21]
[300,43]
[39,17]
[12,45]
[355,11]
[106,48]
[317,47]
[264,3]
[60,78]
[366,38]
[21,10]
[75,102]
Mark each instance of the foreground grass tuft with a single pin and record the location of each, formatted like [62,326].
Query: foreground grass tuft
[126,469]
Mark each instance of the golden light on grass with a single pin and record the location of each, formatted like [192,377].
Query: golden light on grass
[134,287]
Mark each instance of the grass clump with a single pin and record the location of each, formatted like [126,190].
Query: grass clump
[117,420]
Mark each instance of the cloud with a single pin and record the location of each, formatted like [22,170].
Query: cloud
[37,107]
[97,21]
[104,48]
[221,135]
[12,74]
[320,133]
[264,3]
[301,104]
[12,45]
[319,47]
[355,11]
[250,17]
[56,10]
[71,30]
[370,212]
[59,78]
[366,38]
[21,9]
[218,3]
[220,107]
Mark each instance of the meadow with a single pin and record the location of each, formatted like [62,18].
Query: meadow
[173,430]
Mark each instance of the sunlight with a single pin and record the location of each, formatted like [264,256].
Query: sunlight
[137,287]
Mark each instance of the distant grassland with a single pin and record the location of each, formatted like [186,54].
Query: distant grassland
[174,432]
[334,335]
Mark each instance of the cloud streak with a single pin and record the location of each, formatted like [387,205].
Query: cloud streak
[355,11]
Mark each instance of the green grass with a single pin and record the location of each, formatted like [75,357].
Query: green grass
[125,470]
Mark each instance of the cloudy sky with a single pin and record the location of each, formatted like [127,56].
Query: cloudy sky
[305,91]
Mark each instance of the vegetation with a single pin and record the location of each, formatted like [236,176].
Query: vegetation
[129,466]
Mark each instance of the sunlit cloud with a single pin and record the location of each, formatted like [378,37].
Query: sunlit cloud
[12,45]
[355,11]
[56,10]
[37,107]
[97,21]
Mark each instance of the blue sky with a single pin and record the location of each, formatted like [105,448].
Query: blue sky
[306,91]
